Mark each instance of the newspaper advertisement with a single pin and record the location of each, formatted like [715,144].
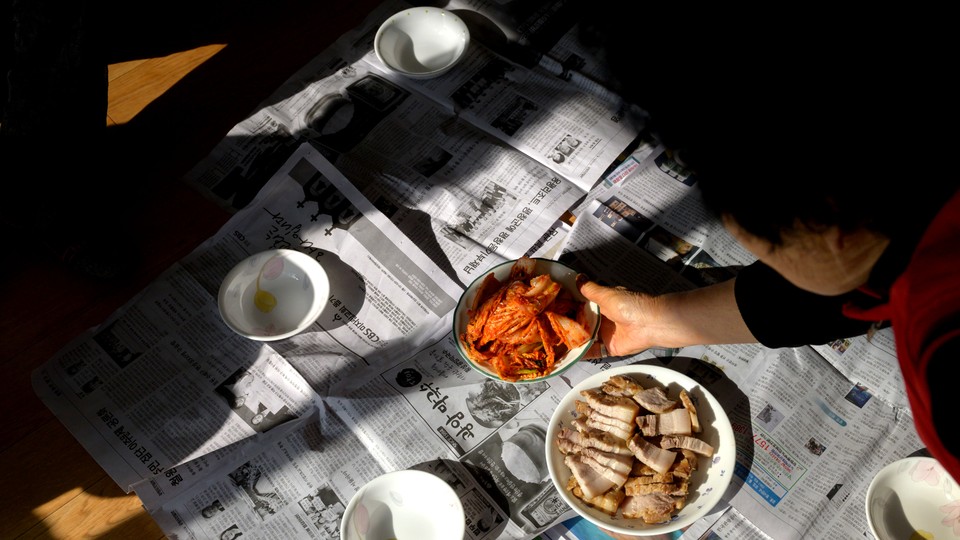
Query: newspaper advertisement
[813,424]
[453,153]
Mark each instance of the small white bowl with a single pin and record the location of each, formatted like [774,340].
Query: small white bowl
[708,482]
[912,498]
[404,504]
[559,272]
[273,294]
[421,42]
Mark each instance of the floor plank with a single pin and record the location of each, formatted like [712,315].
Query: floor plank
[53,470]
[133,87]
[101,511]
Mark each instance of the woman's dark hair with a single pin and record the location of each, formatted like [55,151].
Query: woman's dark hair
[782,127]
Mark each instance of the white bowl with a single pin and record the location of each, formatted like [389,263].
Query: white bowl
[404,504]
[707,484]
[421,42]
[559,272]
[273,294]
[912,498]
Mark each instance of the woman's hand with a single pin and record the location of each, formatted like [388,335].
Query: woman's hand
[633,321]
[626,319]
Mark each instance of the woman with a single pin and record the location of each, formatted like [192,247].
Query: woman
[853,217]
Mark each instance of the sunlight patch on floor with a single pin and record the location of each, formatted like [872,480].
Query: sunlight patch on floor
[135,84]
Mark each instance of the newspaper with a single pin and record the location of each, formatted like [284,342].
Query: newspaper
[453,152]
[406,191]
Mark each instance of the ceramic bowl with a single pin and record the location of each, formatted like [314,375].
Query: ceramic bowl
[404,504]
[914,497]
[421,42]
[708,482]
[559,272]
[273,294]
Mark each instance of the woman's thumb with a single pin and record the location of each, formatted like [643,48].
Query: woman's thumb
[588,288]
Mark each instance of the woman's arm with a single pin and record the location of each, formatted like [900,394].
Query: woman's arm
[634,321]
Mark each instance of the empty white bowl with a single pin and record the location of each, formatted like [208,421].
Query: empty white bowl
[404,504]
[273,294]
[421,42]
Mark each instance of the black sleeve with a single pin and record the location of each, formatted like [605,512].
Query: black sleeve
[779,314]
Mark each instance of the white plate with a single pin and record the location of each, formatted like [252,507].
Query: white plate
[404,504]
[273,294]
[913,498]
[707,484]
[421,42]
[559,272]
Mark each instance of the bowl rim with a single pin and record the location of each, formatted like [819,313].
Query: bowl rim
[559,368]
[723,462]
[302,260]
[392,19]
[888,475]
[415,475]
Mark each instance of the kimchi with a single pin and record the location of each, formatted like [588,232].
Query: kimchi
[521,327]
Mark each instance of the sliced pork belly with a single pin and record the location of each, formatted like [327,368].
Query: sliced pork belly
[608,503]
[586,422]
[617,462]
[591,438]
[692,409]
[617,477]
[653,477]
[655,400]
[657,458]
[620,407]
[566,446]
[651,508]
[585,409]
[590,481]
[687,443]
[621,385]
[678,489]
[675,422]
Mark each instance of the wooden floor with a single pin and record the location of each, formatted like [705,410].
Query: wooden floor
[173,108]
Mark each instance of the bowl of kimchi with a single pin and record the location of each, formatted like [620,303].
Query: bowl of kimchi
[525,321]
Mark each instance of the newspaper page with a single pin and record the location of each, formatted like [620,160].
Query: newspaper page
[164,381]
[813,424]
[438,152]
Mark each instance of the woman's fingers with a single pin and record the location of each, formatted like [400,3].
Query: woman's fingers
[622,327]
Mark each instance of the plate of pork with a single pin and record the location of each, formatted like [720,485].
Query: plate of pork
[640,450]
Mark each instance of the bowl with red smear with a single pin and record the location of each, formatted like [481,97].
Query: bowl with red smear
[525,321]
